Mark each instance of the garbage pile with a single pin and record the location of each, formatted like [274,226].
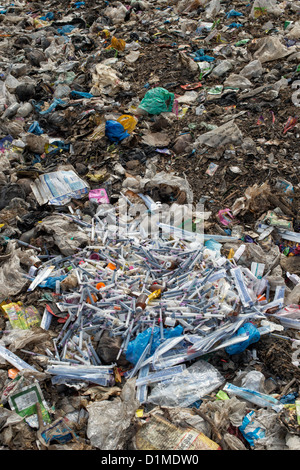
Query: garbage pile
[149,225]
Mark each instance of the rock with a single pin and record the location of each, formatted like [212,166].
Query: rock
[252,70]
[222,68]
[183,144]
[36,143]
[237,81]
[290,264]
[25,92]
[156,139]
[226,134]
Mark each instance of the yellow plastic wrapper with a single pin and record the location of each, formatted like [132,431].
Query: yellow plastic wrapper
[139,413]
[22,317]
[118,44]
[106,33]
[40,23]
[149,437]
[97,177]
[260,11]
[128,122]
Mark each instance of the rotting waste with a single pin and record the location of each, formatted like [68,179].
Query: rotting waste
[149,225]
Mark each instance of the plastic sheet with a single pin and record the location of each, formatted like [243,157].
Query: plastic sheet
[185,389]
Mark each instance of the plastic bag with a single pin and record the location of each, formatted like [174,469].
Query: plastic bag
[263,430]
[289,316]
[62,91]
[35,128]
[225,412]
[12,278]
[255,200]
[50,282]
[254,380]
[118,44]
[138,345]
[250,430]
[115,132]
[237,81]
[158,100]
[270,48]
[200,56]
[65,233]
[254,336]
[264,7]
[109,420]
[252,70]
[294,33]
[128,122]
[106,81]
[212,9]
[116,13]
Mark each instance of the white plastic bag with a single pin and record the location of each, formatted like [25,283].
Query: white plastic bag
[109,420]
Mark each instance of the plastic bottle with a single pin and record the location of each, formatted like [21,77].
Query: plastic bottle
[25,109]
[11,110]
[154,295]
[171,264]
[157,285]
[141,302]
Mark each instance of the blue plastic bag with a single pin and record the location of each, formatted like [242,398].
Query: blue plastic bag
[254,336]
[115,132]
[213,245]
[35,129]
[50,282]
[68,28]
[52,106]
[235,25]
[137,346]
[80,94]
[200,56]
[232,13]
[250,429]
[48,17]
[57,146]
[289,399]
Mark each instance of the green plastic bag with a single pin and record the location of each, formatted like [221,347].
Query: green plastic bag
[157,100]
